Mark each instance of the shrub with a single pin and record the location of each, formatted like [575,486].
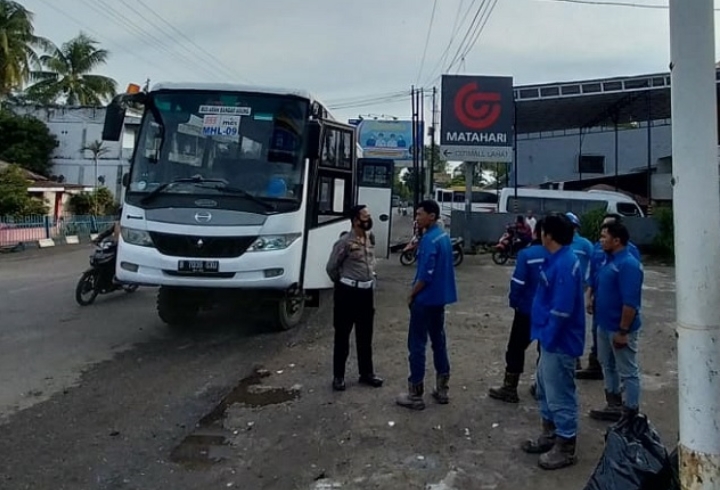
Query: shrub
[664,242]
[590,224]
[93,203]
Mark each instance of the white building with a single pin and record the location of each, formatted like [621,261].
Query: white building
[77,127]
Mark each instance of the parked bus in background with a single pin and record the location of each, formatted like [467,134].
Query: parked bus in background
[544,201]
[483,200]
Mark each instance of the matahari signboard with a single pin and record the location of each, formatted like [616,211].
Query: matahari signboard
[477,118]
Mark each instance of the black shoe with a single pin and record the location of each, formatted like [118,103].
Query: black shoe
[338,384]
[372,380]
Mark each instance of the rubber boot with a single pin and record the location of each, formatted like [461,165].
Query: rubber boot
[561,455]
[592,371]
[413,399]
[508,391]
[544,442]
[441,389]
[612,410]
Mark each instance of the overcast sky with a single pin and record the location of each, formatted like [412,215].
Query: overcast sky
[352,52]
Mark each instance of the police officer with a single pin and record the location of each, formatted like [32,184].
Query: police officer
[352,268]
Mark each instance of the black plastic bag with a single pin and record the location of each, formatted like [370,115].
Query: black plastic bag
[634,459]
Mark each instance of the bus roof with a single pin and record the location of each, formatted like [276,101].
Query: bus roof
[591,195]
[461,188]
[235,87]
[231,87]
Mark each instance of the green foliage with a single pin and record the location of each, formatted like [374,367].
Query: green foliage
[68,75]
[26,141]
[14,197]
[664,242]
[98,203]
[590,224]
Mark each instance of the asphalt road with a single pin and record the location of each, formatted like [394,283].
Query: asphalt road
[106,397]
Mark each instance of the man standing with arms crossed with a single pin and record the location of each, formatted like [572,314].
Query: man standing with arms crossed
[618,296]
[351,267]
[558,323]
[433,289]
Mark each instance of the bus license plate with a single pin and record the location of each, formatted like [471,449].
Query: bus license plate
[198,266]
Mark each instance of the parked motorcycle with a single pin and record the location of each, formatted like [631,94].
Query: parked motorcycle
[100,277]
[507,246]
[408,257]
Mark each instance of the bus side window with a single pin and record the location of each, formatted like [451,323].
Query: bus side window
[335,194]
[524,204]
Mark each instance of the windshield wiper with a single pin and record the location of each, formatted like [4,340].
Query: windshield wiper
[154,193]
[221,186]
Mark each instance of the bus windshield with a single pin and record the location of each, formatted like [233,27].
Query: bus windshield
[245,144]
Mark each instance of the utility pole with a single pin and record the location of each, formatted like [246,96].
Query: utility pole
[697,273]
[433,149]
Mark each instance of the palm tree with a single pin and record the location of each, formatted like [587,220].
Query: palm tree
[68,75]
[98,150]
[17,40]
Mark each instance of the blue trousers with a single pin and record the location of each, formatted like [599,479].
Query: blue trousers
[620,366]
[427,322]
[557,393]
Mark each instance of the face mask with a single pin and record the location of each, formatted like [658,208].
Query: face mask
[367,224]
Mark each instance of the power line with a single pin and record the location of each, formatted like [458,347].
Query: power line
[488,13]
[99,37]
[190,41]
[443,57]
[610,3]
[427,41]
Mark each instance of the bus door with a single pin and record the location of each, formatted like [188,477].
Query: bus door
[331,194]
[375,184]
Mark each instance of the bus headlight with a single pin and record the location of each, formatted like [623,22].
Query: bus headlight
[273,242]
[140,238]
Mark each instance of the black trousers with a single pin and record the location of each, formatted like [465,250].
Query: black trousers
[353,307]
[518,343]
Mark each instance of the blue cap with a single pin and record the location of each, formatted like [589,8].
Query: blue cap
[573,218]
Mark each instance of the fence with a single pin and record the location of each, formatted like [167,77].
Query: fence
[16,231]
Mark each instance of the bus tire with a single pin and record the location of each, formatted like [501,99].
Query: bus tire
[175,308]
[290,310]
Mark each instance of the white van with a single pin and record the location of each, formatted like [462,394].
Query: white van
[545,201]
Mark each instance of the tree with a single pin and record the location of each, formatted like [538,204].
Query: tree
[486,173]
[439,165]
[14,197]
[98,150]
[68,75]
[26,141]
[99,202]
[17,40]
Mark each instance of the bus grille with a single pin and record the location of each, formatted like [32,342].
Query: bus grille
[201,246]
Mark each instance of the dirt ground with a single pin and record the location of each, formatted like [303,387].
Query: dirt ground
[360,439]
[284,428]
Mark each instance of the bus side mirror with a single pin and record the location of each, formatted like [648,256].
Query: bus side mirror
[114,120]
[126,179]
[313,131]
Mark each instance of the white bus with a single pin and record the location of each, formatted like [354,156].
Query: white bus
[453,198]
[234,192]
[544,201]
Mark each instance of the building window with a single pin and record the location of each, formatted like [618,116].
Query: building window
[591,164]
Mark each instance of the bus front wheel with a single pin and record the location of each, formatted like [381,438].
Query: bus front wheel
[177,307]
[290,309]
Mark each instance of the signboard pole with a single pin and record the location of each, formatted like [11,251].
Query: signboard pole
[515,159]
[697,274]
[421,142]
[430,180]
[469,177]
